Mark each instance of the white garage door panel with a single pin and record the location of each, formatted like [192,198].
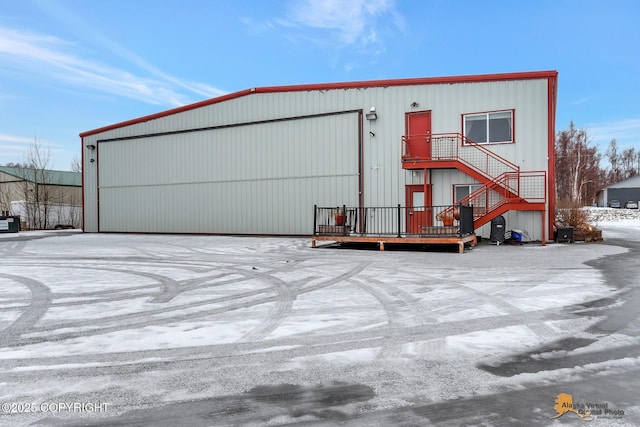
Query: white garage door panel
[257,179]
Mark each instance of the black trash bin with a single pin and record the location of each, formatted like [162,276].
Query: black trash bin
[497,230]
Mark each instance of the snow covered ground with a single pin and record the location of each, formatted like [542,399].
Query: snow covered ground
[197,330]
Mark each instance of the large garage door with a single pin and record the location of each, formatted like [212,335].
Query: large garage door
[257,178]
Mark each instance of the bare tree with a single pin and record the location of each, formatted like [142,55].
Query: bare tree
[623,165]
[615,173]
[76,165]
[36,191]
[43,197]
[628,162]
[578,172]
[5,200]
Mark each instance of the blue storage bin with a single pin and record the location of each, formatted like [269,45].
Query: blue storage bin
[516,235]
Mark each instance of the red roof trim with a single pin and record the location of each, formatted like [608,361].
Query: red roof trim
[530,75]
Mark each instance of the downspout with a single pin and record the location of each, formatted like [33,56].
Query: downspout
[84,210]
[361,170]
[551,150]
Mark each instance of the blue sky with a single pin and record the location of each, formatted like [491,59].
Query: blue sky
[68,66]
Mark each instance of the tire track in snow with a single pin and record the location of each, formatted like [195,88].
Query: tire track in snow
[394,319]
[141,319]
[284,349]
[11,247]
[284,302]
[38,306]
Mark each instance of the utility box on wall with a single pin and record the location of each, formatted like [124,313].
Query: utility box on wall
[564,234]
[9,224]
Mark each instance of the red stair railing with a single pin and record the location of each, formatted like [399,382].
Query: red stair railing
[490,198]
[455,147]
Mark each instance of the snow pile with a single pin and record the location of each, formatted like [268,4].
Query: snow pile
[612,215]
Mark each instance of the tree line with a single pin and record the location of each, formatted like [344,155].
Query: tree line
[579,174]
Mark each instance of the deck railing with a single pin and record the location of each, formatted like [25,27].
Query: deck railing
[397,221]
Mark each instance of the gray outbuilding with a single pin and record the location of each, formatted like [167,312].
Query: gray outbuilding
[623,192]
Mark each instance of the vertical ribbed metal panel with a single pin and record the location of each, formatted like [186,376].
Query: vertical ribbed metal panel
[221,175]
[256,179]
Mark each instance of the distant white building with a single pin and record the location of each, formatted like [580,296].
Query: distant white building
[257,161]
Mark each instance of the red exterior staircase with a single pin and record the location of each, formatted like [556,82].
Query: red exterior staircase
[504,186]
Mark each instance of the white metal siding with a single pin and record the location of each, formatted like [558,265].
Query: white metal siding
[176,168]
[529,222]
[258,179]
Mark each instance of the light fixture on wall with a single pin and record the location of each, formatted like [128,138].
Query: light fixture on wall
[91,147]
[414,104]
[372,115]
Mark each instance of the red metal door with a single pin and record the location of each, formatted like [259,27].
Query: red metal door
[418,208]
[418,131]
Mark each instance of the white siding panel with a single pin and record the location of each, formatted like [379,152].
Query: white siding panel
[306,160]
[529,222]
[256,179]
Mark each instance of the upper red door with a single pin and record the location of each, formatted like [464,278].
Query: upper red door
[418,131]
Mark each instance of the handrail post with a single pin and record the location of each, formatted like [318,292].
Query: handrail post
[399,221]
[315,219]
[344,224]
[363,220]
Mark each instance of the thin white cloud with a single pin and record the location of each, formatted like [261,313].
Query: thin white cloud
[6,138]
[354,21]
[43,55]
[13,153]
[91,35]
[626,132]
[197,88]
[13,148]
[582,100]
[359,25]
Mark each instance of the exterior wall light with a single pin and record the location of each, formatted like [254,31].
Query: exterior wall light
[372,115]
[91,147]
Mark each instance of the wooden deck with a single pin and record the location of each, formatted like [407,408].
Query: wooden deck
[422,239]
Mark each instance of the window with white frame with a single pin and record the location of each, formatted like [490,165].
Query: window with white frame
[462,191]
[493,127]
[479,202]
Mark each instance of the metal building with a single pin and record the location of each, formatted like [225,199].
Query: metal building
[257,161]
[42,198]
[622,192]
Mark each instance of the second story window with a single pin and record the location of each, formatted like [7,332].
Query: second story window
[493,127]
